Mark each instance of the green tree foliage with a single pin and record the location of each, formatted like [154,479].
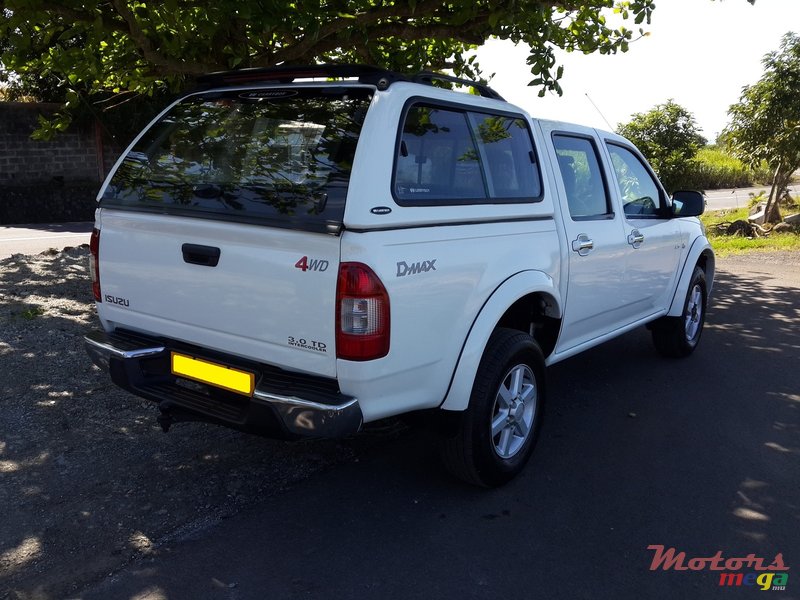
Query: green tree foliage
[96,49]
[668,136]
[765,123]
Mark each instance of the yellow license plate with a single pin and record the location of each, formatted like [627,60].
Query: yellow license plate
[226,378]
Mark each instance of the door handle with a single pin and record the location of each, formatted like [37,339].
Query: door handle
[582,245]
[195,254]
[636,238]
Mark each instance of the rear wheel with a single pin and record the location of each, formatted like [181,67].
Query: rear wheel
[496,434]
[678,336]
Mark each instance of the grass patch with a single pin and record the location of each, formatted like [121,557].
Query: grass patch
[27,311]
[714,168]
[732,244]
[715,217]
[29,314]
[725,245]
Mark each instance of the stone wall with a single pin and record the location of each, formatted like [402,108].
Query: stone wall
[53,181]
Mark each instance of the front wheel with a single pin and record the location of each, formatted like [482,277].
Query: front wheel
[497,432]
[677,337]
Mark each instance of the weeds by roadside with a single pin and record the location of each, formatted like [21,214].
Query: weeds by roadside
[715,168]
[29,313]
[725,244]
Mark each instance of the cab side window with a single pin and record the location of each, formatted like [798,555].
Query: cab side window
[641,195]
[584,183]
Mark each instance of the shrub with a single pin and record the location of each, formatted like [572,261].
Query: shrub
[668,136]
[713,168]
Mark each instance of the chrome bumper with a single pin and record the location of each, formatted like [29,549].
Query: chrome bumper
[101,348]
[325,412]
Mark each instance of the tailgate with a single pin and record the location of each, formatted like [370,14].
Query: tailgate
[270,297]
[219,226]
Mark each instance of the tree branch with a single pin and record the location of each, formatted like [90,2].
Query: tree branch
[332,34]
[310,44]
[464,33]
[168,66]
[78,16]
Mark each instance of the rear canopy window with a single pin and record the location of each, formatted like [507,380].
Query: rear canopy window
[277,156]
[451,156]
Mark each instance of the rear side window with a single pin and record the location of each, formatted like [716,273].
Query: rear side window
[451,156]
[277,156]
[584,183]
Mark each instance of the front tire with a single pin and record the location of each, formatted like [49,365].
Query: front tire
[677,337]
[498,431]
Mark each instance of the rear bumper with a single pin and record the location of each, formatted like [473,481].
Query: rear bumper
[283,405]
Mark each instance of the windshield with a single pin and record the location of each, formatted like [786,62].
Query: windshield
[277,156]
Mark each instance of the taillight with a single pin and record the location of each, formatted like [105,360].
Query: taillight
[362,314]
[94,264]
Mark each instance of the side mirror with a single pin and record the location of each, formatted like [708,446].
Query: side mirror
[687,203]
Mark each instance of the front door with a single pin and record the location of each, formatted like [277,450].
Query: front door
[653,237]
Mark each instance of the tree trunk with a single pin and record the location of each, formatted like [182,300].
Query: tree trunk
[772,213]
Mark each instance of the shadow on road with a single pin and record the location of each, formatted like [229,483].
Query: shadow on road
[87,478]
[699,454]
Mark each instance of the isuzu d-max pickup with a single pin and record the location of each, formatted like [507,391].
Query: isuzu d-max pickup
[296,252]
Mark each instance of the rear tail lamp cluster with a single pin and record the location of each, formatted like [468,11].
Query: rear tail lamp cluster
[94,264]
[362,314]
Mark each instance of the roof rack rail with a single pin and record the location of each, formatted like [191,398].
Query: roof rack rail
[381,78]
[428,77]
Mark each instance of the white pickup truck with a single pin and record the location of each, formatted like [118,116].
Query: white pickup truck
[299,251]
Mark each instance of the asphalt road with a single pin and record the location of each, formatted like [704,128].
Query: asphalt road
[738,198]
[700,455]
[33,239]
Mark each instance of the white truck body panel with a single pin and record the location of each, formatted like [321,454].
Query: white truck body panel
[511,290]
[433,311]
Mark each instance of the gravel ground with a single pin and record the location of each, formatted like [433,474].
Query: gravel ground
[751,261]
[89,481]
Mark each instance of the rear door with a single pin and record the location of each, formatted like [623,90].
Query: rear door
[220,227]
[594,236]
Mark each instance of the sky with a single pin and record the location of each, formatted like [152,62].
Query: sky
[699,53]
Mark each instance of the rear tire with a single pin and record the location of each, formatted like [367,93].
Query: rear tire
[677,337]
[497,433]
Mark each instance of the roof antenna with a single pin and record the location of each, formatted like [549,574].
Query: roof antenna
[610,128]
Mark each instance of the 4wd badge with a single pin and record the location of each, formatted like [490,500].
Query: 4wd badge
[313,264]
